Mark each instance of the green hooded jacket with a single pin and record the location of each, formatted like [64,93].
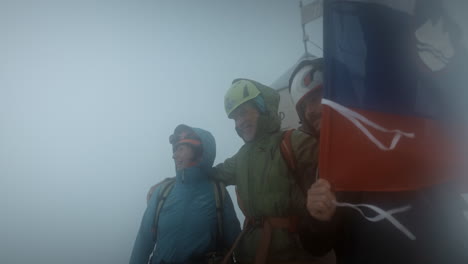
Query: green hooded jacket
[266,187]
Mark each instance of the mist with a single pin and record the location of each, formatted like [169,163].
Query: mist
[89,94]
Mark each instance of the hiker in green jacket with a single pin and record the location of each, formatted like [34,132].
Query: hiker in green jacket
[271,186]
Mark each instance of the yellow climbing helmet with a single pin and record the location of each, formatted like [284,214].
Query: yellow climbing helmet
[240,92]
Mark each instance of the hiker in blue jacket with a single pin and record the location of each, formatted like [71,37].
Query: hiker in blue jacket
[189,218]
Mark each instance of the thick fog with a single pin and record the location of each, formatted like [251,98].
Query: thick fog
[90,92]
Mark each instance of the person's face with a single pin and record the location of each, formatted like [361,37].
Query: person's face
[313,111]
[183,156]
[246,118]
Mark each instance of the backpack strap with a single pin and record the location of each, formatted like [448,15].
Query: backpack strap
[166,187]
[154,187]
[220,195]
[287,150]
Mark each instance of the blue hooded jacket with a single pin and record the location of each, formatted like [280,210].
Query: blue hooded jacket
[188,222]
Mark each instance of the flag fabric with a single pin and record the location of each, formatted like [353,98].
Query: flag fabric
[390,74]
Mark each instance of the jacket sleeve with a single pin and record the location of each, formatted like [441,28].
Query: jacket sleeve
[226,172]
[316,236]
[231,225]
[144,243]
[305,148]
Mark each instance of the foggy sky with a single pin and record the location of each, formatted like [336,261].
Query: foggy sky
[89,93]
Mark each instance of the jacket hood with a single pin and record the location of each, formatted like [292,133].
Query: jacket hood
[208,145]
[269,121]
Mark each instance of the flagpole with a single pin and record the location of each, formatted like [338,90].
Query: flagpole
[304,37]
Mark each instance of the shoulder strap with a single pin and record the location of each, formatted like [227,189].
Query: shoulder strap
[166,188]
[220,195]
[287,151]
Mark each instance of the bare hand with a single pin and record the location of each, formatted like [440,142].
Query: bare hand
[321,200]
